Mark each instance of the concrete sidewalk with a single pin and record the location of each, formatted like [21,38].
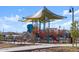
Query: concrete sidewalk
[22,48]
[22,43]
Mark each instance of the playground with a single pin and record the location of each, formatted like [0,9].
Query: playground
[42,33]
[40,36]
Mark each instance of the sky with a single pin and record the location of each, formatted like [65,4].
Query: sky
[9,16]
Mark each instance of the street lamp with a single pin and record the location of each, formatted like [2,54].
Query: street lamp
[72,11]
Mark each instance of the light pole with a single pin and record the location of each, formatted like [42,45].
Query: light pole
[59,33]
[72,11]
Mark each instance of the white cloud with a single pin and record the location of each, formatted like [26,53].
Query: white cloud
[67,24]
[20,9]
[7,22]
[57,21]
[3,23]
[76,12]
[25,24]
[17,17]
[66,12]
[77,18]
[12,18]
[5,26]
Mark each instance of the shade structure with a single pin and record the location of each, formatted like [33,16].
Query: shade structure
[42,14]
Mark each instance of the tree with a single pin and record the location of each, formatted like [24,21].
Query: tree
[1,36]
[74,32]
[10,36]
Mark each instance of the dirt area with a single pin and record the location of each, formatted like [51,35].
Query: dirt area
[55,49]
[9,45]
[58,49]
[6,45]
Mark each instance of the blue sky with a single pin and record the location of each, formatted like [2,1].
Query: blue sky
[10,14]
